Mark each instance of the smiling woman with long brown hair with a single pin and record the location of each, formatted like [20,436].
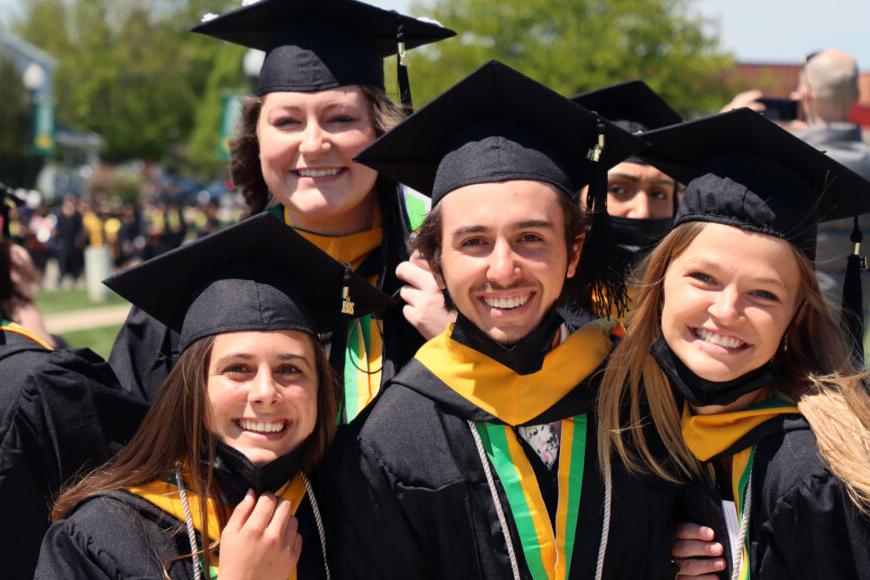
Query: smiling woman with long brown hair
[217,477]
[732,355]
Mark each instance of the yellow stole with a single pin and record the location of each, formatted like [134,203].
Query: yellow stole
[362,365]
[164,495]
[516,399]
[15,328]
[710,435]
[501,392]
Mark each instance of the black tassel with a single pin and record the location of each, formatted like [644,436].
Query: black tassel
[607,294]
[402,68]
[852,310]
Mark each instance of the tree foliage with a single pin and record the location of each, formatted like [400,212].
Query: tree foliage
[578,45]
[15,113]
[128,69]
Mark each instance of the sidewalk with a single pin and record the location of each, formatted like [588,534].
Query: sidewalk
[62,322]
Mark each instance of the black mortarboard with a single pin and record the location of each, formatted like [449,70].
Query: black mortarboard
[256,275]
[314,45]
[632,106]
[497,125]
[743,170]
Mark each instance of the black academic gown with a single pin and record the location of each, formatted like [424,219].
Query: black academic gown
[802,525]
[408,497]
[122,536]
[61,412]
[145,350]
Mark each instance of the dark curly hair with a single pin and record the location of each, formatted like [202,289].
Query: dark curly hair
[245,169]
[577,291]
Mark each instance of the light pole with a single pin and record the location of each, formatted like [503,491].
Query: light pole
[33,79]
[252,62]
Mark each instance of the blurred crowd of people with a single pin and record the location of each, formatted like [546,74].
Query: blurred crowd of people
[61,231]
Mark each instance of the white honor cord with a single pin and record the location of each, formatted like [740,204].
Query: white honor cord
[191,530]
[737,553]
[188,520]
[605,526]
[515,568]
[318,522]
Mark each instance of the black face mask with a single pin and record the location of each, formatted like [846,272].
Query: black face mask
[700,392]
[634,236]
[236,474]
[524,357]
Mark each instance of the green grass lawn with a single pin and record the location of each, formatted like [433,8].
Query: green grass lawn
[98,340]
[66,300]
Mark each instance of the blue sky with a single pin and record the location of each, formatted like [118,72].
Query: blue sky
[753,30]
[780,31]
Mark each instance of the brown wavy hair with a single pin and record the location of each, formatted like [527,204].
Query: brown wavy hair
[816,372]
[245,169]
[174,430]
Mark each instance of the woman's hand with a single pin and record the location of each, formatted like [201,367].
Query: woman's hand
[695,552]
[424,301]
[261,540]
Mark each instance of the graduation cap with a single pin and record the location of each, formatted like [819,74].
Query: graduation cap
[635,107]
[631,105]
[315,45]
[743,170]
[8,200]
[256,275]
[496,125]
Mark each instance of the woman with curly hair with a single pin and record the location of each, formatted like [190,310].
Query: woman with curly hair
[321,100]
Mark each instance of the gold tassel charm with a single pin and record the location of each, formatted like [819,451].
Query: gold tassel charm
[347,306]
[401,50]
[346,302]
[594,153]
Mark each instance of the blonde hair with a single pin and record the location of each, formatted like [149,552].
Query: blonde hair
[816,372]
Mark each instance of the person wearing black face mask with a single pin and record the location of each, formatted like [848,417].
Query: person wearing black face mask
[641,199]
[217,477]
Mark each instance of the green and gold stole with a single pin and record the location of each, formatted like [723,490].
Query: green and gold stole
[364,351]
[517,399]
[708,436]
[163,494]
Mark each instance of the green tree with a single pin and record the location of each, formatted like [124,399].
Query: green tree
[225,76]
[578,45]
[15,112]
[128,69]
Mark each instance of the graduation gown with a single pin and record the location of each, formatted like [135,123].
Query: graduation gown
[802,524]
[145,350]
[120,535]
[61,412]
[409,498]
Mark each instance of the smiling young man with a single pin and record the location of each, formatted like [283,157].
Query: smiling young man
[478,460]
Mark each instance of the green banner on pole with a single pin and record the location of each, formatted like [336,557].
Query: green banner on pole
[232,112]
[43,128]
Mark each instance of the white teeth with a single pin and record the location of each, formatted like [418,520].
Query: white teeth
[317,172]
[261,427]
[719,339]
[507,303]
